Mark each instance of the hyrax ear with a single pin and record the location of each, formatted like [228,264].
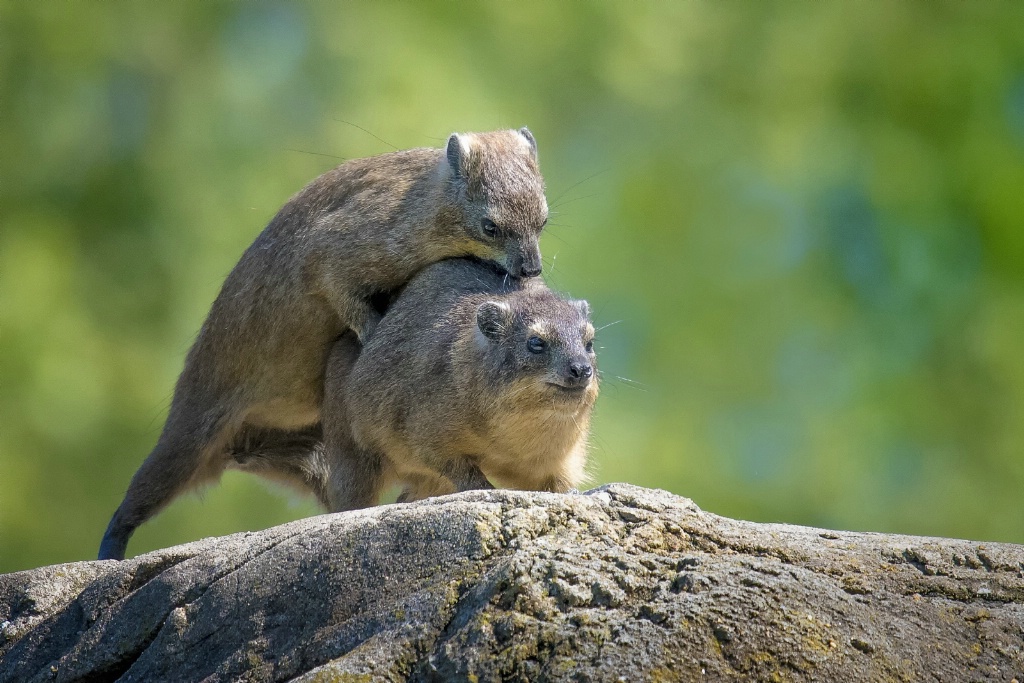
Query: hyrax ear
[525,132]
[583,307]
[458,151]
[493,318]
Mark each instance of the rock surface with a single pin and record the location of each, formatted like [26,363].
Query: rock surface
[621,583]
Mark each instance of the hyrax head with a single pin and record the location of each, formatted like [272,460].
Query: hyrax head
[501,197]
[540,344]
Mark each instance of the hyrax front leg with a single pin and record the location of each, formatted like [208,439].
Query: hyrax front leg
[453,476]
[423,486]
[465,475]
[332,280]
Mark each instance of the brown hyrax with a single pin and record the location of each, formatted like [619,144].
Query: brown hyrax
[355,233]
[470,376]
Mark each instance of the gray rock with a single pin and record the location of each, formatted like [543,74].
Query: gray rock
[621,583]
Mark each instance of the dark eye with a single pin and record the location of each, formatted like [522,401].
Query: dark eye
[536,345]
[590,346]
[489,227]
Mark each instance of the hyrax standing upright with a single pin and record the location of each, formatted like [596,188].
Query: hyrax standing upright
[360,230]
[469,375]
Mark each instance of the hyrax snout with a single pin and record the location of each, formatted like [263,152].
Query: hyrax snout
[317,273]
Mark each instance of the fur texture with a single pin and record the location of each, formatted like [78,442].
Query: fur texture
[470,376]
[345,241]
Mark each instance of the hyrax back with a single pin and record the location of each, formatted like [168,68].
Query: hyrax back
[472,372]
[364,228]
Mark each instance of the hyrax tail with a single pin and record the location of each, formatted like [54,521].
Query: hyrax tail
[182,459]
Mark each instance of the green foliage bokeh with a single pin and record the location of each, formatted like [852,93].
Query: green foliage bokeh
[803,225]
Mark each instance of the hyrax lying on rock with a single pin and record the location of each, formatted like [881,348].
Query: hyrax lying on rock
[469,376]
[360,230]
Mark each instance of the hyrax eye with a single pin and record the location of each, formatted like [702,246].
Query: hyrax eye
[590,346]
[536,345]
[489,227]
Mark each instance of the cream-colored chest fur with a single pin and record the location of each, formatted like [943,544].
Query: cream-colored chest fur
[537,448]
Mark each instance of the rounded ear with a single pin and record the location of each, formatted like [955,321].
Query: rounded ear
[457,152]
[525,132]
[493,317]
[583,307]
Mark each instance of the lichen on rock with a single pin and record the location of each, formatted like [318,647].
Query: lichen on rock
[620,583]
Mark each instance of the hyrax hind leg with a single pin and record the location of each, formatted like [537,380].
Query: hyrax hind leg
[356,479]
[340,476]
[356,475]
[187,454]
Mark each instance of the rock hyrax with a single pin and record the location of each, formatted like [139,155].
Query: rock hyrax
[360,230]
[470,375]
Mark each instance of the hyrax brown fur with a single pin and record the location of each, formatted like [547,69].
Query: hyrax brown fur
[469,376]
[362,229]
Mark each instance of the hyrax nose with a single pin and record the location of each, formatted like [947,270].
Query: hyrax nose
[530,270]
[581,371]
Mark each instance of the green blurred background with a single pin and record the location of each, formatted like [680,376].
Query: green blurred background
[803,222]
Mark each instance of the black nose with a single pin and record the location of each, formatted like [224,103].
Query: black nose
[530,271]
[581,370]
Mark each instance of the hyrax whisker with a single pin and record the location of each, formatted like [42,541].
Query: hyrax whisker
[349,123]
[319,154]
[576,199]
[575,185]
